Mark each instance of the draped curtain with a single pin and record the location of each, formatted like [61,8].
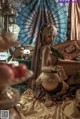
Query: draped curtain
[32,14]
[75,21]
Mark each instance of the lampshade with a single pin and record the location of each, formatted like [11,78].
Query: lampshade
[14,28]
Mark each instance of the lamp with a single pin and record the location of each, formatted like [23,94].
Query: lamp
[7,27]
[7,12]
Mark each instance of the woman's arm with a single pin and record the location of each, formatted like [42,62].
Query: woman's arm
[50,69]
[48,59]
[44,55]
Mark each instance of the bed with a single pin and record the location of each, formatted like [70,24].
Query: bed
[31,108]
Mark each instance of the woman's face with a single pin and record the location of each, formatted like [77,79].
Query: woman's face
[49,34]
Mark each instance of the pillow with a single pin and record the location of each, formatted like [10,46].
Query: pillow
[69,49]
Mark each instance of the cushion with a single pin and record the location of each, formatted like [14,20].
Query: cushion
[69,49]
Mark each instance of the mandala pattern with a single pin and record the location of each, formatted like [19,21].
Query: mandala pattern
[33,13]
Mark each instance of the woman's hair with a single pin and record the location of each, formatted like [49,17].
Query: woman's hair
[45,30]
[45,26]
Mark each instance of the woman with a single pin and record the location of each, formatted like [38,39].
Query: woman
[50,77]
[42,47]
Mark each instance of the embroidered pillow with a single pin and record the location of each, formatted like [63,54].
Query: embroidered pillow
[69,49]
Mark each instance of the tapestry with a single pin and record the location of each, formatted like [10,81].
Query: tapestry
[32,14]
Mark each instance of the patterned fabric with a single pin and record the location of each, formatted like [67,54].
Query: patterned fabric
[32,14]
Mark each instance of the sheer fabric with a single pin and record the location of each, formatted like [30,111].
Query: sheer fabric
[75,21]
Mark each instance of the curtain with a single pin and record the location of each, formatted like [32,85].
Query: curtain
[75,21]
[32,14]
